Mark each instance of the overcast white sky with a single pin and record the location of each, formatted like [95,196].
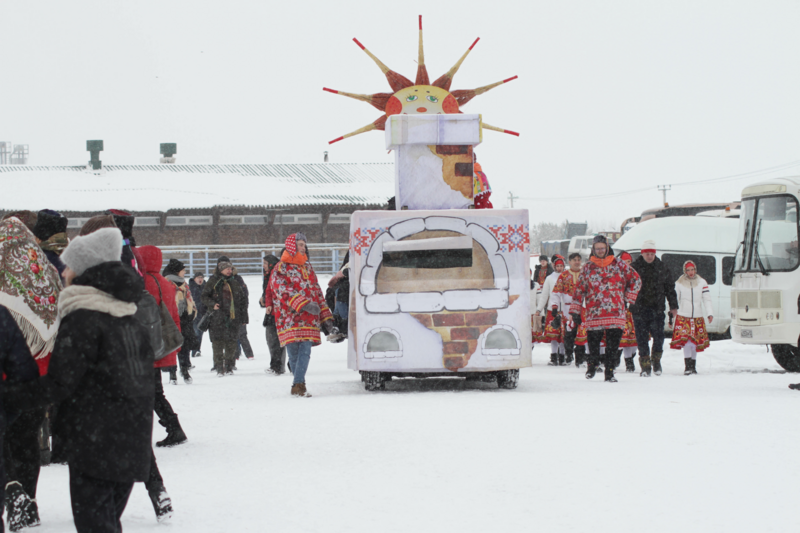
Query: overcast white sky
[612,96]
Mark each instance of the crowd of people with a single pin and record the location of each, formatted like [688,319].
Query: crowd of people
[89,326]
[616,306]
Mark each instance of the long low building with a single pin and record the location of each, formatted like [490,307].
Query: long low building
[207,204]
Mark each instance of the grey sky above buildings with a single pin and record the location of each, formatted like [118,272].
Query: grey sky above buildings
[612,97]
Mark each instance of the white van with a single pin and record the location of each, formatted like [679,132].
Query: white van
[710,242]
[581,244]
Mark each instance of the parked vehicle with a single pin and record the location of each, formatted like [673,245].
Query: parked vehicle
[551,248]
[582,245]
[766,284]
[710,242]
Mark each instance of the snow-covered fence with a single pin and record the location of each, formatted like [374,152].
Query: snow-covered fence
[326,258]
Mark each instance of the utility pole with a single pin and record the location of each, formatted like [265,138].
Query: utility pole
[664,189]
[511,199]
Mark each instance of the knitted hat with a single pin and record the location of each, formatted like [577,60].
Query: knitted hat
[199,274]
[48,223]
[649,246]
[96,223]
[102,246]
[223,258]
[173,267]
[124,221]
[223,265]
[625,256]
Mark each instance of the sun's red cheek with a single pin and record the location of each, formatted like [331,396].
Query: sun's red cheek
[450,105]
[394,107]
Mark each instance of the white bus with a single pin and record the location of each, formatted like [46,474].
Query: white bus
[765,306]
[708,241]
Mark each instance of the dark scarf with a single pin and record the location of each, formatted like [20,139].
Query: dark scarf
[227,297]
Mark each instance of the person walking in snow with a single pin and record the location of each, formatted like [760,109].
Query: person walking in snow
[628,344]
[299,308]
[553,330]
[175,272]
[648,310]
[605,285]
[196,288]
[224,295]
[277,353]
[542,270]
[562,294]
[694,303]
[101,375]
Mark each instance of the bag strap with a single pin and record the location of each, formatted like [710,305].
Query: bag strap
[160,295]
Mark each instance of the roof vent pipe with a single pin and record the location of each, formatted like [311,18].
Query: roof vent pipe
[94,148]
[325,159]
[168,151]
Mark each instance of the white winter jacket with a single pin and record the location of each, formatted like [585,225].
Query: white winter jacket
[545,298]
[694,298]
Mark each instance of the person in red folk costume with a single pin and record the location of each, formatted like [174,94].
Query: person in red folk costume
[694,303]
[30,289]
[159,287]
[562,298]
[553,330]
[628,342]
[481,189]
[605,285]
[296,301]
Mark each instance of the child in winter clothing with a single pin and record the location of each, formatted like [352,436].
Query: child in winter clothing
[694,302]
[553,331]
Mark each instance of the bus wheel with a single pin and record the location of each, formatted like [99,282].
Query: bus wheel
[373,381]
[507,379]
[787,356]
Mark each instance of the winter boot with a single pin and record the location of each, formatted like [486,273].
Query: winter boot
[186,377]
[687,364]
[610,374]
[561,361]
[591,368]
[162,504]
[657,363]
[644,362]
[580,355]
[568,359]
[794,386]
[694,366]
[629,366]
[299,389]
[175,434]
[553,360]
[21,510]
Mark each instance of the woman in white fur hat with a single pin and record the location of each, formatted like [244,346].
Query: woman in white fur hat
[694,303]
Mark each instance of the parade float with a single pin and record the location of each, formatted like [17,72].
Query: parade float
[440,285]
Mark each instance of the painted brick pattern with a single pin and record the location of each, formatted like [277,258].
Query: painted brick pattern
[459,331]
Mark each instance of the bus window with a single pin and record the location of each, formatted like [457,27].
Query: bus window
[706,266]
[727,263]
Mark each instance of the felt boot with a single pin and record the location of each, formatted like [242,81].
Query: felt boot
[656,357]
[609,373]
[694,366]
[553,359]
[21,510]
[591,368]
[162,503]
[644,362]
[687,364]
[629,366]
[561,361]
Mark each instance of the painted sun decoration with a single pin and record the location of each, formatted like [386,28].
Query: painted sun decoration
[420,96]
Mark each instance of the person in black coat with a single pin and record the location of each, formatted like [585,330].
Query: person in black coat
[196,288]
[17,364]
[277,360]
[51,236]
[658,287]
[101,374]
[542,270]
[225,295]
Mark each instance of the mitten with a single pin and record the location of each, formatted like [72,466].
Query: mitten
[576,317]
[312,308]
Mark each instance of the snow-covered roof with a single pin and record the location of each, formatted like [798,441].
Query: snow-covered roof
[163,187]
[688,234]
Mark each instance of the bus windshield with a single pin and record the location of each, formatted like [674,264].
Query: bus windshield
[769,233]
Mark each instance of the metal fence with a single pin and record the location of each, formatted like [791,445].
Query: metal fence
[326,258]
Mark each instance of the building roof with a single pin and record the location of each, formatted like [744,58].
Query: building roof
[163,187]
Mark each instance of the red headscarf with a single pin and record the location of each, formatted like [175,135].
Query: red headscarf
[291,255]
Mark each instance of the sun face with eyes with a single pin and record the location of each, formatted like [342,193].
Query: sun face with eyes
[421,100]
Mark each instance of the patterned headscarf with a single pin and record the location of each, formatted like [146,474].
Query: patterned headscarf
[29,286]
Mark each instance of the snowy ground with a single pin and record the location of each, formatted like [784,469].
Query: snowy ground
[712,452]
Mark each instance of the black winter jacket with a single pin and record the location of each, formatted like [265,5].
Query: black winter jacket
[657,286]
[16,361]
[222,326]
[539,269]
[197,296]
[101,372]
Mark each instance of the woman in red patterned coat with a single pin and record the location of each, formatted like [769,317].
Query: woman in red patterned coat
[297,302]
[604,287]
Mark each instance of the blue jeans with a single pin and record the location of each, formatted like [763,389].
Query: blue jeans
[648,321]
[299,356]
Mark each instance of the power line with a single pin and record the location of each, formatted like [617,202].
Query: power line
[751,174]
